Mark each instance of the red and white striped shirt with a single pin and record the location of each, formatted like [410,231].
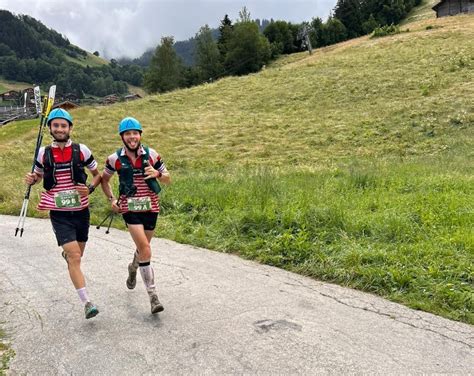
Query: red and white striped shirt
[113,164]
[62,158]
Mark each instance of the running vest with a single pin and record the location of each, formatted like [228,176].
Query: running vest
[78,174]
[127,170]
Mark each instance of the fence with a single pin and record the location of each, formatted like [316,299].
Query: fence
[10,113]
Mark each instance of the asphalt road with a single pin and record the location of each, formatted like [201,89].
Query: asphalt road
[223,315]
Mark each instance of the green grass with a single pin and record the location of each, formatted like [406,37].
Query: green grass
[6,85]
[352,165]
[422,12]
[90,60]
[6,353]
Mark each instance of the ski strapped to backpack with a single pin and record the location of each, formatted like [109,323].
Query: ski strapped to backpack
[127,171]
[78,173]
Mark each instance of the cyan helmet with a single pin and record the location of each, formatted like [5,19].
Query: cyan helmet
[130,124]
[59,113]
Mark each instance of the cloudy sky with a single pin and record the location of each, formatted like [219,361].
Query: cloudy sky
[118,28]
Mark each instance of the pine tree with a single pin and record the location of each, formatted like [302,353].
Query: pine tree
[164,73]
[208,60]
[225,31]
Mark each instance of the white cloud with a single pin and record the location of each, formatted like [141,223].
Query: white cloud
[127,28]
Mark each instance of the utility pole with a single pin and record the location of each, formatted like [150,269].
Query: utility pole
[304,36]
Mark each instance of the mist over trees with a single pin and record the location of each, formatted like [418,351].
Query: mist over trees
[31,52]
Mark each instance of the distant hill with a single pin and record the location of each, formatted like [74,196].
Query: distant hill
[32,52]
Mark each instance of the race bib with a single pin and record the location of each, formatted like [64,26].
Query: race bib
[139,204]
[67,199]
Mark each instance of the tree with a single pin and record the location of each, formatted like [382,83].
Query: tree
[316,33]
[279,35]
[225,31]
[349,12]
[334,31]
[248,50]
[208,60]
[96,53]
[244,15]
[164,73]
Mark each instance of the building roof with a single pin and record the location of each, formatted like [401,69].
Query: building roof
[436,6]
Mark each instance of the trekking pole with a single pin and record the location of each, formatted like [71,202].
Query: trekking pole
[111,215]
[48,103]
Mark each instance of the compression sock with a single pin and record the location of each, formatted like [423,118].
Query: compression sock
[148,276]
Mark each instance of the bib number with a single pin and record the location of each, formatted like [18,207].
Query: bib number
[138,204]
[67,199]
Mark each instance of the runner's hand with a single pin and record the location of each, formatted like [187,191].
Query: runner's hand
[150,172]
[82,189]
[30,178]
[115,207]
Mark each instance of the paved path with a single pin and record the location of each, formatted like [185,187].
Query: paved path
[223,315]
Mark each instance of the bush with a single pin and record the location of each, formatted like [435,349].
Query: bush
[385,30]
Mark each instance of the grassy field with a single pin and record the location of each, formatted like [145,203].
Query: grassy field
[353,165]
[421,12]
[90,60]
[6,85]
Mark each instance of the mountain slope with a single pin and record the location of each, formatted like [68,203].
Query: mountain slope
[409,94]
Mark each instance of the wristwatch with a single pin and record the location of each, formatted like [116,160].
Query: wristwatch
[91,188]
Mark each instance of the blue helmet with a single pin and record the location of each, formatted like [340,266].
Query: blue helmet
[59,113]
[130,124]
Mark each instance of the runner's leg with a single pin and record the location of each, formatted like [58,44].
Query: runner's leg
[73,252]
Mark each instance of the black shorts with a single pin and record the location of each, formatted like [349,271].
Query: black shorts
[147,219]
[69,226]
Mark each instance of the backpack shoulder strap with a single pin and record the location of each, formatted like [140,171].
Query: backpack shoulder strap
[76,154]
[48,157]
[146,156]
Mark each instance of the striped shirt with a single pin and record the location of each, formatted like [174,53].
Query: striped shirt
[113,164]
[62,158]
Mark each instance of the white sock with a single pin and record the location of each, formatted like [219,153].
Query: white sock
[148,276]
[83,295]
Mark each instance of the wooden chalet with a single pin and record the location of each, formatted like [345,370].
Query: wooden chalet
[110,99]
[452,7]
[66,105]
[11,95]
[132,97]
[70,97]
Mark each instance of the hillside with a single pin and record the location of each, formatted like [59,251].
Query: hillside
[352,165]
[421,12]
[32,52]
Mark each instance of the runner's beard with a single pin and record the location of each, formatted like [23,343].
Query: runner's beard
[130,149]
[64,138]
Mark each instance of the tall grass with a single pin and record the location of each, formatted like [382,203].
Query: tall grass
[401,230]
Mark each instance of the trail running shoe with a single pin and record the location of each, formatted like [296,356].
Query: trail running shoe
[132,277]
[156,306]
[91,310]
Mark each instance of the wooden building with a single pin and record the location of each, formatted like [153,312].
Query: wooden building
[452,7]
[11,95]
[132,97]
[66,105]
